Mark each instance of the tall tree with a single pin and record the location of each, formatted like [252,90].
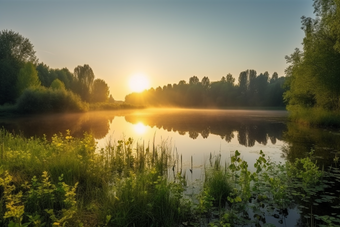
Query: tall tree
[44,74]
[28,77]
[274,78]
[15,51]
[243,81]
[100,91]
[230,79]
[16,47]
[84,76]
[65,76]
[193,80]
[314,72]
[329,12]
[205,82]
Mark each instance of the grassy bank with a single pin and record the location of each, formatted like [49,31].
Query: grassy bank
[314,117]
[67,181]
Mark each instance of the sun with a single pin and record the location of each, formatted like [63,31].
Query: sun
[139,82]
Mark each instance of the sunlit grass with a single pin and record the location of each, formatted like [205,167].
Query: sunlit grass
[119,185]
[314,116]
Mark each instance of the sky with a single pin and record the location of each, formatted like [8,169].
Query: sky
[166,40]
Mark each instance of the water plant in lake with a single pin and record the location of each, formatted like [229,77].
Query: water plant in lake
[273,189]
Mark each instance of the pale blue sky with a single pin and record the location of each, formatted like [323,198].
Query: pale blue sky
[167,40]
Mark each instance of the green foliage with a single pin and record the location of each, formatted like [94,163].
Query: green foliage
[47,76]
[28,77]
[15,51]
[100,91]
[84,80]
[217,184]
[57,84]
[16,47]
[271,189]
[314,116]
[8,78]
[147,199]
[314,72]
[44,100]
[19,70]
[116,185]
[127,185]
[38,203]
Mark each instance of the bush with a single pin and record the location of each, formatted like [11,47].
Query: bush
[45,100]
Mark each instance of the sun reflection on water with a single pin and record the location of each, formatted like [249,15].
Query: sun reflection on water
[139,128]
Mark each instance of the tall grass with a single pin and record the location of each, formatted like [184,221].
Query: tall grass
[119,185]
[314,116]
[217,182]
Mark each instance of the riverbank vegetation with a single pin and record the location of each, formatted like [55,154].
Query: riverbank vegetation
[67,181]
[313,80]
[71,182]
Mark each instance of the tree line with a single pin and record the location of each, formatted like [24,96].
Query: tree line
[252,90]
[82,82]
[34,87]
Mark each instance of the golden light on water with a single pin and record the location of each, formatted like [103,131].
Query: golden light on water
[139,128]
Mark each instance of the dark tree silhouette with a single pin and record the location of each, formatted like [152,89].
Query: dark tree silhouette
[84,80]
[15,51]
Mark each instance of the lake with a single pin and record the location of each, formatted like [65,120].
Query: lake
[189,132]
[194,135]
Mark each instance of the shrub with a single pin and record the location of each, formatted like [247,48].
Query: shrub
[38,203]
[43,100]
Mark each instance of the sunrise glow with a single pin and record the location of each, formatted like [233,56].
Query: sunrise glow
[138,82]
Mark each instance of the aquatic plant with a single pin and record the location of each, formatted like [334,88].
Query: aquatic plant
[273,188]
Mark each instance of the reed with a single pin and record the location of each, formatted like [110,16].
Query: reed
[217,182]
[120,185]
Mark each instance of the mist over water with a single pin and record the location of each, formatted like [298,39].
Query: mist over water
[189,132]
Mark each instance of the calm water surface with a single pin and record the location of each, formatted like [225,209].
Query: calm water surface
[194,133]
[188,132]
